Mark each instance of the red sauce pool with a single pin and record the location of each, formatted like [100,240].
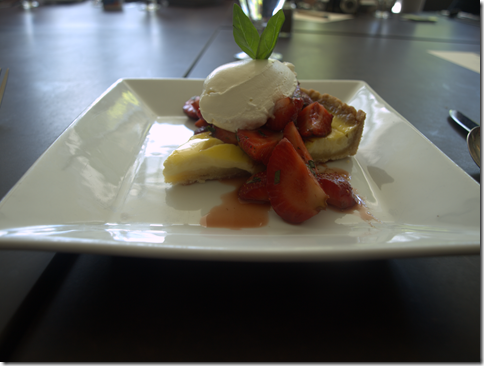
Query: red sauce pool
[233,214]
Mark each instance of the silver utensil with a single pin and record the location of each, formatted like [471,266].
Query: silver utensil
[473,136]
[3,85]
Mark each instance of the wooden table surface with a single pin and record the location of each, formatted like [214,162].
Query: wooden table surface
[86,307]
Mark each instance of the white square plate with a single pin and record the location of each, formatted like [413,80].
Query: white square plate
[99,189]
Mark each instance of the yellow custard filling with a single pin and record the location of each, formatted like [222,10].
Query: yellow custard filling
[204,157]
[340,138]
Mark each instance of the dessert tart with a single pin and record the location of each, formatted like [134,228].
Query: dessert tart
[254,119]
[346,129]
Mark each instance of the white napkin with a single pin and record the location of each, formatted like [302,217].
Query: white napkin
[469,60]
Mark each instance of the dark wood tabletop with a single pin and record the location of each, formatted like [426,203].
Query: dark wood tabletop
[68,307]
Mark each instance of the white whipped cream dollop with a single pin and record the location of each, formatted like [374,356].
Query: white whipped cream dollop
[240,95]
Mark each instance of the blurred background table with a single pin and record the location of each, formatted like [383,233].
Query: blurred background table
[70,307]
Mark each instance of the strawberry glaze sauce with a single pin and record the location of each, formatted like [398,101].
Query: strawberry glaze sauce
[234,214]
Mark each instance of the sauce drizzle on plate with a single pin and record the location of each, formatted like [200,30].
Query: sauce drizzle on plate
[235,215]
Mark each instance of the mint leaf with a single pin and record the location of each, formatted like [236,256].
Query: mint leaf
[245,33]
[277,177]
[268,39]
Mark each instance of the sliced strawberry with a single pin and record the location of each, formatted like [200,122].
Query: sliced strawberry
[201,122]
[338,189]
[259,143]
[292,134]
[202,130]
[192,107]
[285,111]
[294,192]
[298,93]
[314,120]
[255,189]
[224,135]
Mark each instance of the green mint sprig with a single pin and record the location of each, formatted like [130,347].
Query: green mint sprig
[247,36]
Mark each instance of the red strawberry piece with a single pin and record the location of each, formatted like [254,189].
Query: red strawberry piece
[292,134]
[298,93]
[202,130]
[285,111]
[255,189]
[338,189]
[259,143]
[201,122]
[226,136]
[314,120]
[192,108]
[293,190]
